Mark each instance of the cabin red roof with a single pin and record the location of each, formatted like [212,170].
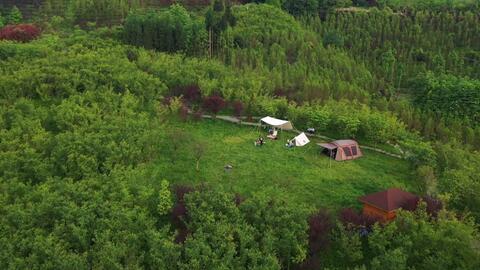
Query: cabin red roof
[388,200]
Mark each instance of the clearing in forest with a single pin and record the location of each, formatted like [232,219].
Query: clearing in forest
[302,172]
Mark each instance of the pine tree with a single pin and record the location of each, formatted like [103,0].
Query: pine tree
[15,16]
[2,22]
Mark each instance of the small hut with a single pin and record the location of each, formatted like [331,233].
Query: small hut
[384,204]
[342,149]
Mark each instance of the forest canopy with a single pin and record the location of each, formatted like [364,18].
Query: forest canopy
[113,154]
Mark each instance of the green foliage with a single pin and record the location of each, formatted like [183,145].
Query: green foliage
[2,20]
[271,41]
[412,241]
[399,242]
[301,7]
[170,30]
[86,140]
[406,44]
[430,4]
[165,200]
[458,177]
[332,39]
[295,171]
[419,152]
[15,16]
[448,95]
[101,12]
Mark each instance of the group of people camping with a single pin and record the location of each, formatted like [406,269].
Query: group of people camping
[272,134]
[276,124]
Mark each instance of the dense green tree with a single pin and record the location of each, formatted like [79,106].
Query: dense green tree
[15,16]
[301,7]
[170,30]
[2,20]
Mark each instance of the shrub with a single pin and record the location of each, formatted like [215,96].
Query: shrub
[237,108]
[20,32]
[350,217]
[15,16]
[320,226]
[433,205]
[192,93]
[214,104]
[2,22]
[183,113]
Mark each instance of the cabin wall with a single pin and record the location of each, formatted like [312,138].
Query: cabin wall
[370,210]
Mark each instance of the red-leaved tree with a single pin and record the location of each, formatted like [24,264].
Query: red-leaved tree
[179,213]
[237,108]
[214,104]
[20,32]
[350,217]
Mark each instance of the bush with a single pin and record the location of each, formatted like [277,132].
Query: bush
[20,32]
[15,16]
[170,30]
[350,217]
[237,108]
[191,93]
[2,22]
[214,104]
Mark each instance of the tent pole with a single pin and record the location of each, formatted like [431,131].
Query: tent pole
[330,160]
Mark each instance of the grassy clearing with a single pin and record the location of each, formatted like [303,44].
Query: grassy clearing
[304,173]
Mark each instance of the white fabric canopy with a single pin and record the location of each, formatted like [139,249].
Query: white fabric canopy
[301,140]
[278,123]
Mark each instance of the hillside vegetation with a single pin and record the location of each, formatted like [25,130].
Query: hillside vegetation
[106,160]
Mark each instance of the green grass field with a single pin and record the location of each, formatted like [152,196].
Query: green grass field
[303,173]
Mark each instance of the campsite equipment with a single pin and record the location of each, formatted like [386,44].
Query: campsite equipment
[277,123]
[342,149]
[300,140]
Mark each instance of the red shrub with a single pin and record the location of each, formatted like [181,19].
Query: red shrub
[181,236]
[237,108]
[191,93]
[214,104]
[239,199]
[180,192]
[20,32]
[350,217]
[320,226]
[433,205]
[183,113]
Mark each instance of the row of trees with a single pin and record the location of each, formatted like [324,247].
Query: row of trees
[169,30]
[405,46]
[449,96]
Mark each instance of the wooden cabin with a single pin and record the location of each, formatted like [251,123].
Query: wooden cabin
[384,204]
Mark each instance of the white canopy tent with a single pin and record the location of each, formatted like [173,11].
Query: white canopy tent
[301,140]
[278,123]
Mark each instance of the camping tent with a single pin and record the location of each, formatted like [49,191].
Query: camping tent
[342,149]
[278,123]
[301,140]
